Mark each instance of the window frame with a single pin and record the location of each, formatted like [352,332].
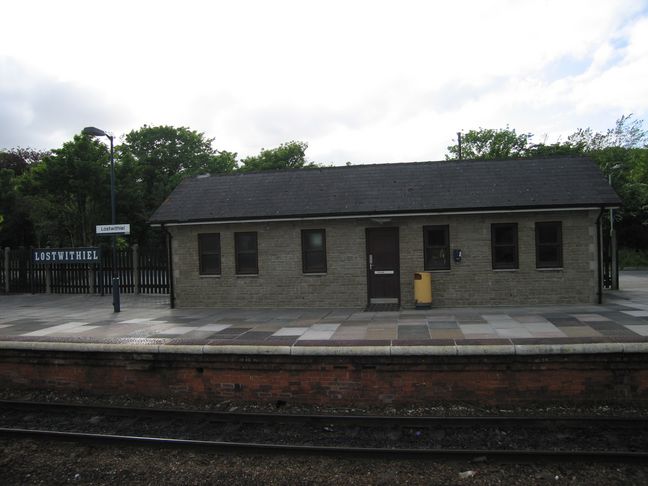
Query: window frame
[238,251]
[505,266]
[305,251]
[202,251]
[426,262]
[558,245]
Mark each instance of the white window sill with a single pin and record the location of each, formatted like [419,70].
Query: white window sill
[555,269]
[314,274]
[246,275]
[506,269]
[209,276]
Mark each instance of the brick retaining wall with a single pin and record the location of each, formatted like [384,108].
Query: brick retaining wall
[330,380]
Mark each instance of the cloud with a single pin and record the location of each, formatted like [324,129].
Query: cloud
[38,111]
[362,81]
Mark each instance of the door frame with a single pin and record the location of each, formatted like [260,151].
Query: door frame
[396,230]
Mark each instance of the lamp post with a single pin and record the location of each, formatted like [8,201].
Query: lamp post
[96,132]
[614,260]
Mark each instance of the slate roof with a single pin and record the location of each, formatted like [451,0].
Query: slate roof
[416,187]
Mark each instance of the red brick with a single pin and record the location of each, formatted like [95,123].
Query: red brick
[339,380]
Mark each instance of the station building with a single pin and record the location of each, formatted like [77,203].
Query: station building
[495,232]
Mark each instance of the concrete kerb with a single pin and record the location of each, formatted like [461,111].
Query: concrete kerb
[449,350]
[485,350]
[81,347]
[584,348]
[340,351]
[242,349]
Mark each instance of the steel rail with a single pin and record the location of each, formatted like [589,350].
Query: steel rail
[259,448]
[369,420]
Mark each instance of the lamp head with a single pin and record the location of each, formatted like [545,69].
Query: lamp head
[94,132]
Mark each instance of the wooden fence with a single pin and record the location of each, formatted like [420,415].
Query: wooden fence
[140,270]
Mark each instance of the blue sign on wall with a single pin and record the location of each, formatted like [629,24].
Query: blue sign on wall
[66,255]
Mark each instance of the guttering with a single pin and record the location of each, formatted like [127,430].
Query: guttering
[599,256]
[376,215]
[170,265]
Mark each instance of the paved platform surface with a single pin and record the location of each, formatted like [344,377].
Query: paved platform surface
[146,323]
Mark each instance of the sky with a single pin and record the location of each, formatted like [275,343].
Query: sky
[359,81]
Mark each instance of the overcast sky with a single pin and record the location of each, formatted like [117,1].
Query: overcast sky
[364,82]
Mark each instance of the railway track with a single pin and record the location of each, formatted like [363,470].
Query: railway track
[336,435]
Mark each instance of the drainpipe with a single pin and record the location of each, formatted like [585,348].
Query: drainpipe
[170,263]
[598,253]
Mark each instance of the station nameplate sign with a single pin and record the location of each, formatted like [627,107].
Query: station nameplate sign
[113,229]
[66,255]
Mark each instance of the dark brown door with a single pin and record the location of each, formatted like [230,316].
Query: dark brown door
[383,265]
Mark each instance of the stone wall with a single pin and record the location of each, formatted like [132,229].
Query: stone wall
[281,282]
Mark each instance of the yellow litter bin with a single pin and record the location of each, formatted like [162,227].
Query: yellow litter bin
[422,289]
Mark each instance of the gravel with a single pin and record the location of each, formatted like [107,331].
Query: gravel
[29,462]
[617,409]
[24,461]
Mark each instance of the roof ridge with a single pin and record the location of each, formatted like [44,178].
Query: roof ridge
[383,164]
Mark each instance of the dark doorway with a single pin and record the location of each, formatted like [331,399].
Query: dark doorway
[383,275]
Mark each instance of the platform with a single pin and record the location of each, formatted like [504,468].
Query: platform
[146,323]
[583,352]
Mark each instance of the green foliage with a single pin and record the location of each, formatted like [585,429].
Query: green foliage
[627,133]
[162,156]
[558,149]
[58,197]
[222,163]
[17,229]
[291,155]
[67,192]
[490,144]
[628,170]
[151,163]
[19,159]
[629,257]
[620,152]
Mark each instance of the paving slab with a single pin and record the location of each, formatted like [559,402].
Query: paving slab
[146,322]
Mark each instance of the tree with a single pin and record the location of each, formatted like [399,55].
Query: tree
[7,203]
[17,228]
[620,152]
[7,195]
[68,192]
[558,149]
[151,163]
[491,144]
[290,155]
[627,133]
[622,155]
[20,159]
[161,156]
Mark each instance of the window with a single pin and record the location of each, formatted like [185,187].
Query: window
[549,245]
[436,247]
[209,254]
[245,247]
[313,251]
[504,245]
